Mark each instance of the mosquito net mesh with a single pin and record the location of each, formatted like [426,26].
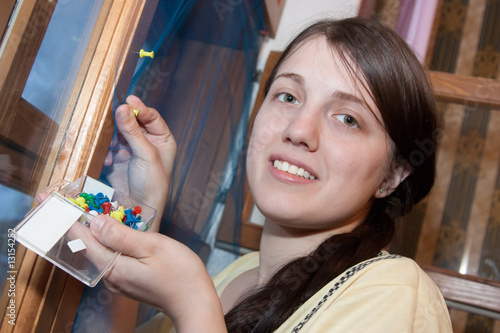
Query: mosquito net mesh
[200,80]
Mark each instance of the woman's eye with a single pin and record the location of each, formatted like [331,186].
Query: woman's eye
[348,120]
[287,98]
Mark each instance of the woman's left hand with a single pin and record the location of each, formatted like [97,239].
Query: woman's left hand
[144,170]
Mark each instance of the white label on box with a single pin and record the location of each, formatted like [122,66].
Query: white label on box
[49,224]
[76,245]
[93,186]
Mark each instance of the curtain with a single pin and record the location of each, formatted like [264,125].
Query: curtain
[200,80]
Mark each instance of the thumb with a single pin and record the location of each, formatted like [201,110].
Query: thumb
[115,235]
[42,196]
[129,127]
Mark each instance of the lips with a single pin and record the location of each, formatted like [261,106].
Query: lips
[293,169]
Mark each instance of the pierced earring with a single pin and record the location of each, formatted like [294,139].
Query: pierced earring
[381,190]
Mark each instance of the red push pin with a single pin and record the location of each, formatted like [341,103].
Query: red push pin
[137,210]
[106,206]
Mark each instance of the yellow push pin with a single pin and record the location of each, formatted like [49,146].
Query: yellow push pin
[143,53]
[136,112]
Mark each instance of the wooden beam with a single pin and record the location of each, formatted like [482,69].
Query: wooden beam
[17,166]
[250,236]
[14,40]
[466,289]
[468,90]
[273,12]
[24,148]
[6,8]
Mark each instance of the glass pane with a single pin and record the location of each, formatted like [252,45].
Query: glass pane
[28,145]
[59,58]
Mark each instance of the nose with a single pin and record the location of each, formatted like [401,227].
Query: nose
[303,130]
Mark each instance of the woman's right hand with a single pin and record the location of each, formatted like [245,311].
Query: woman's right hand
[162,272]
[144,170]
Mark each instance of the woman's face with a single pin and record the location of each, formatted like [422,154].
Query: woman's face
[317,155]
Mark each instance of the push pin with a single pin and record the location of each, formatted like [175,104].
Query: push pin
[143,53]
[136,112]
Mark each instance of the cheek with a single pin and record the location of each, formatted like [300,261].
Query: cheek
[362,163]
[267,129]
[375,167]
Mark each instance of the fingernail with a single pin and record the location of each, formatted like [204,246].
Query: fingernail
[97,223]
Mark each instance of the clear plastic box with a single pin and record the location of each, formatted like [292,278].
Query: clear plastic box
[58,229]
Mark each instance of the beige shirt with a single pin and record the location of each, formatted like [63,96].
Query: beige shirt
[384,294]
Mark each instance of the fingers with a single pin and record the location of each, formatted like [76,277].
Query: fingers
[148,135]
[98,254]
[148,131]
[148,117]
[130,129]
[40,197]
[121,238]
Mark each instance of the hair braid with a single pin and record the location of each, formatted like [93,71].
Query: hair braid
[269,306]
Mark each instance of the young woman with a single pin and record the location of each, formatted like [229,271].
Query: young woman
[332,162]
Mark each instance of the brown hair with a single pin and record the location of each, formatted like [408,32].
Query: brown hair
[400,88]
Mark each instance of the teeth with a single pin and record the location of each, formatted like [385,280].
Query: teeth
[292,169]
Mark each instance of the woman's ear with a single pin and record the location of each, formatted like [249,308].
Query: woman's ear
[399,171]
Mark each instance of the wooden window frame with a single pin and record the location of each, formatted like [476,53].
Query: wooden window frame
[6,9]
[47,298]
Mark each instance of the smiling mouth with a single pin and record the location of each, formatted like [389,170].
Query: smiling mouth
[293,169]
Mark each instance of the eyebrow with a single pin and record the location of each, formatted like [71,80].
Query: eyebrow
[342,95]
[295,77]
